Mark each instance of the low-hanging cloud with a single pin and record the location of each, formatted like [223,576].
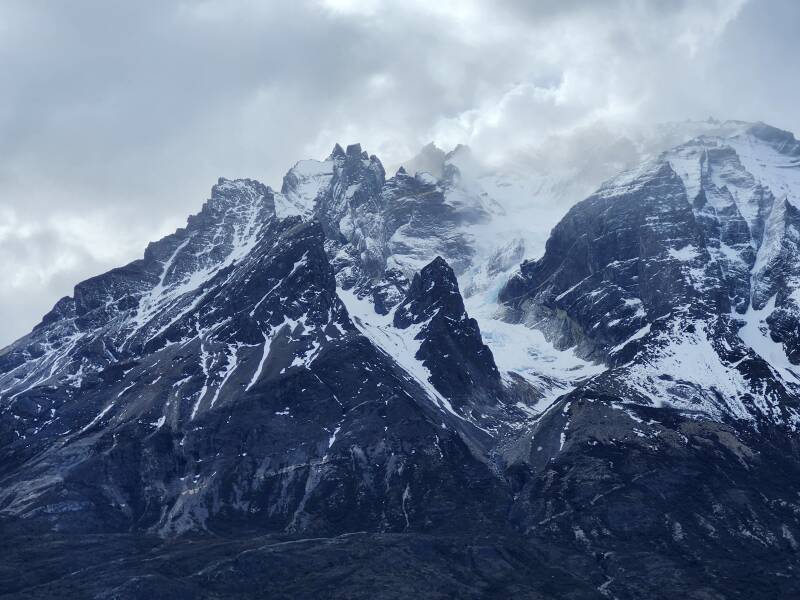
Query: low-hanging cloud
[115,118]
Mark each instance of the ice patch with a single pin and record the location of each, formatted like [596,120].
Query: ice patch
[699,381]
[755,333]
[526,352]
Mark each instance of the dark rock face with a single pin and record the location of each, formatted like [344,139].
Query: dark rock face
[288,397]
[669,505]
[658,272]
[664,456]
[614,264]
[451,347]
[237,414]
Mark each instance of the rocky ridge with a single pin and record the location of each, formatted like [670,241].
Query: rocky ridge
[303,370]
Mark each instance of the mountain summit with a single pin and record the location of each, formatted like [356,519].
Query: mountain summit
[363,387]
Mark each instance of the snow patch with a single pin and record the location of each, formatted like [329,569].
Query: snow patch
[685,254]
[755,333]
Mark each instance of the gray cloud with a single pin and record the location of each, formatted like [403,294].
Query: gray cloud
[115,118]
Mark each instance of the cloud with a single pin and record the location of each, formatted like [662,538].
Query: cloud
[116,118]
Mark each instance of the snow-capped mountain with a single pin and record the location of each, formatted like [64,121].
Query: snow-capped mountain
[362,370]
[683,267]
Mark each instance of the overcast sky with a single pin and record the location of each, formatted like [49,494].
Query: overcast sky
[117,117]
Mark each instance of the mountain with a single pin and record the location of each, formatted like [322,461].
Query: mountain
[358,387]
[675,276]
[683,266]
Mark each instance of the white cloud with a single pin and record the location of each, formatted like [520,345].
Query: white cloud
[116,118]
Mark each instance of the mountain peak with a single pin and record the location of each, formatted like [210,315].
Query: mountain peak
[430,159]
[299,367]
[337,152]
[353,150]
[782,141]
[451,347]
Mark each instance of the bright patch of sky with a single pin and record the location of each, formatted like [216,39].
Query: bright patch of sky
[116,118]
